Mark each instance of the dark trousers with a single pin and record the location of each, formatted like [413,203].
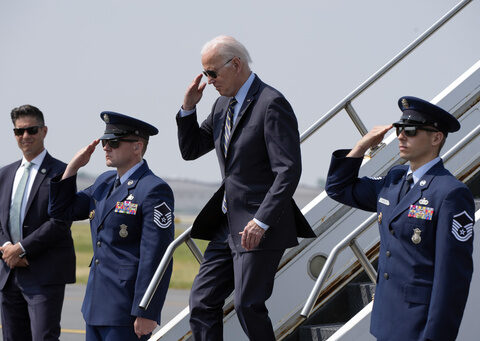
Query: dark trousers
[251,274]
[113,333]
[31,313]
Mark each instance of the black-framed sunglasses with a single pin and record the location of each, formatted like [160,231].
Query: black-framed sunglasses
[411,131]
[115,143]
[214,74]
[30,130]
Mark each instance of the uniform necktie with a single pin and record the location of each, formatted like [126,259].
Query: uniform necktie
[16,208]
[226,138]
[116,184]
[406,186]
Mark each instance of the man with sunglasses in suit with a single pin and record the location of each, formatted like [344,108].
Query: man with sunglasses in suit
[425,217]
[38,257]
[252,218]
[131,220]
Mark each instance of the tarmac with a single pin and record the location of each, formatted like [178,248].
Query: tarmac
[73,325]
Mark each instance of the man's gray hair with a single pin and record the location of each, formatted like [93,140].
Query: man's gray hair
[227,47]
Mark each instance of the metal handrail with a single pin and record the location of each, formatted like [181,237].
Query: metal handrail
[343,104]
[166,259]
[372,79]
[327,267]
[351,239]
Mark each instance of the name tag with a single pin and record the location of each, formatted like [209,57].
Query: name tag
[126,207]
[420,212]
[384,201]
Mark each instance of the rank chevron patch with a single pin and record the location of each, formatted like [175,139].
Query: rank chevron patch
[462,226]
[162,215]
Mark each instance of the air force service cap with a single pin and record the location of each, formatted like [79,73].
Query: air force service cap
[418,112]
[119,125]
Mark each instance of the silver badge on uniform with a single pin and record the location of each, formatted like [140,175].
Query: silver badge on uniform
[384,201]
[423,201]
[123,231]
[130,182]
[130,197]
[416,239]
[422,183]
[43,171]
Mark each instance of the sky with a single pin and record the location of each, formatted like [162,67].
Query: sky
[75,59]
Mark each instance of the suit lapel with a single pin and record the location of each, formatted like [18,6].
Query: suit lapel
[7,195]
[43,170]
[249,99]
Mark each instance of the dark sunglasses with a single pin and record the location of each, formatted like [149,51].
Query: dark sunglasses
[30,130]
[411,131]
[115,143]
[214,74]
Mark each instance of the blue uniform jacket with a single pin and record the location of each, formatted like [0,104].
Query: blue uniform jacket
[131,229]
[426,243]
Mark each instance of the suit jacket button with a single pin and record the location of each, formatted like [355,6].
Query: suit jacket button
[99,243]
[97,261]
[385,275]
[388,253]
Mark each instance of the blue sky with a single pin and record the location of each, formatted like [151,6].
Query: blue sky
[76,59]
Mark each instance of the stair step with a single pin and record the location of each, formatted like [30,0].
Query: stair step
[318,333]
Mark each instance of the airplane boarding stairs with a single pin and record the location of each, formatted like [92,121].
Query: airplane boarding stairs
[325,264]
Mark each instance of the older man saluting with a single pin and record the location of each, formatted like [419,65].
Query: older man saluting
[252,218]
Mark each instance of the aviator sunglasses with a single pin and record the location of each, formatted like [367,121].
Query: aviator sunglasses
[30,130]
[214,74]
[115,143]
[411,131]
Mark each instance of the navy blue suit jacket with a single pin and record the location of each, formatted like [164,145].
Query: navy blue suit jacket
[131,229]
[422,285]
[261,170]
[48,242]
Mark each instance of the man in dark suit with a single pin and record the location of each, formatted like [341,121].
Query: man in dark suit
[252,218]
[425,217]
[38,254]
[131,220]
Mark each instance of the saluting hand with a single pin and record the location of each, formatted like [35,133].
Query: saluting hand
[144,326]
[252,235]
[371,139]
[194,93]
[80,159]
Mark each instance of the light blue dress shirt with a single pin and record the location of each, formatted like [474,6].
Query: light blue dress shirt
[417,174]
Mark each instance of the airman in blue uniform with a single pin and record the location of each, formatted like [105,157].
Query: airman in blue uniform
[131,220]
[425,218]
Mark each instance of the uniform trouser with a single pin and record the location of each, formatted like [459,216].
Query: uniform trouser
[31,313]
[113,333]
[251,274]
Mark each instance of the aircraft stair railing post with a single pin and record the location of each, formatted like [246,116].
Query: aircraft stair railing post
[348,241]
[346,102]
[351,239]
[166,259]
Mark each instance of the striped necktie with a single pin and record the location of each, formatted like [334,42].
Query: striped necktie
[226,138]
[16,208]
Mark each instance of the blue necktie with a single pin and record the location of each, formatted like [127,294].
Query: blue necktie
[16,208]
[226,138]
